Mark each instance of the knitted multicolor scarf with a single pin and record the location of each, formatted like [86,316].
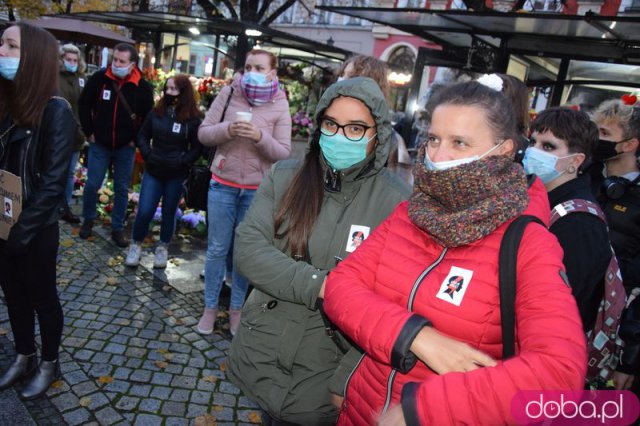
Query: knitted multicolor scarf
[463,204]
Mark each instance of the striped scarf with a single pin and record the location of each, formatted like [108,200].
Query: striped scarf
[463,204]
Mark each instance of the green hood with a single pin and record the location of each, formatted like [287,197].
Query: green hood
[367,91]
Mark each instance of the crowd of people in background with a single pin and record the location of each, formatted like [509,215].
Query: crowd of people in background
[377,290]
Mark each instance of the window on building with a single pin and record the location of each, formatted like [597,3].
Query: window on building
[401,63]
[322,16]
[350,20]
[289,15]
[192,64]
[414,4]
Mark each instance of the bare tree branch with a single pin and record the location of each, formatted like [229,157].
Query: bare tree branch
[279,11]
[211,7]
[264,8]
[232,9]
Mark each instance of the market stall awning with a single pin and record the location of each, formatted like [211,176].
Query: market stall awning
[77,31]
[160,22]
[590,37]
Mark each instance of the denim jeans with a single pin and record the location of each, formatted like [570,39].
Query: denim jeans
[100,158]
[68,194]
[226,209]
[150,192]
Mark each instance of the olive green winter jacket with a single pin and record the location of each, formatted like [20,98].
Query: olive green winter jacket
[281,357]
[71,85]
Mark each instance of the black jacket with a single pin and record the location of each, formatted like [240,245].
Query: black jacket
[623,216]
[40,156]
[103,114]
[167,146]
[585,241]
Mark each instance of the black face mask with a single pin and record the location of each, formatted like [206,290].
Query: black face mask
[170,99]
[605,150]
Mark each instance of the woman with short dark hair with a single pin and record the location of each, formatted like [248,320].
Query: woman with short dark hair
[562,141]
[37,131]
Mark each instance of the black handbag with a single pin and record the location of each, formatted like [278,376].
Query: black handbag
[196,188]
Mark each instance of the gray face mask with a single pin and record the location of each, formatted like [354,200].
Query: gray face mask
[120,72]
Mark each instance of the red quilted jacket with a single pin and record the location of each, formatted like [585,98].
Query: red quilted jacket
[368,294]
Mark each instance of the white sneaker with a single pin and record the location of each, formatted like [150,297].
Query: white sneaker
[160,259]
[133,257]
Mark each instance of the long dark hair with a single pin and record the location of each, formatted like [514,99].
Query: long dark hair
[186,108]
[25,98]
[302,202]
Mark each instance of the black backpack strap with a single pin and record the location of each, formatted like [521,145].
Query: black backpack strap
[507,266]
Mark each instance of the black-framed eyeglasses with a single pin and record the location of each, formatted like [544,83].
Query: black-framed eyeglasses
[353,132]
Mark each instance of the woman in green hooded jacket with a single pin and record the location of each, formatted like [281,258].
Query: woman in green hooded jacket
[305,218]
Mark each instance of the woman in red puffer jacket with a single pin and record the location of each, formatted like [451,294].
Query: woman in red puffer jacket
[421,297]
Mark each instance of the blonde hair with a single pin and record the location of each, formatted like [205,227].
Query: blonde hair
[70,48]
[623,115]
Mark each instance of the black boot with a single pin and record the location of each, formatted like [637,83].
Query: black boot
[47,373]
[85,229]
[23,366]
[119,238]
[68,215]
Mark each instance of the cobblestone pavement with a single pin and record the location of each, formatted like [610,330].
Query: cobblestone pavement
[129,353]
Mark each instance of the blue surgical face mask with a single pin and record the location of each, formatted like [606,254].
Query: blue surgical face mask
[70,67]
[542,164]
[342,153]
[251,77]
[444,165]
[120,72]
[9,67]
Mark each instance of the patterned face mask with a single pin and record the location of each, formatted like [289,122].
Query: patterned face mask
[257,89]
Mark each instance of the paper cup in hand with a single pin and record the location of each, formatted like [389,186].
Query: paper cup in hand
[243,116]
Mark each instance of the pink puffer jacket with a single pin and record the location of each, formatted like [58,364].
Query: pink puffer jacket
[241,160]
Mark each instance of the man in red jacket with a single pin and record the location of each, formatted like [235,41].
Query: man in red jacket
[113,104]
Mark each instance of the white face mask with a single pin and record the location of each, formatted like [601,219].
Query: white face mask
[444,165]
